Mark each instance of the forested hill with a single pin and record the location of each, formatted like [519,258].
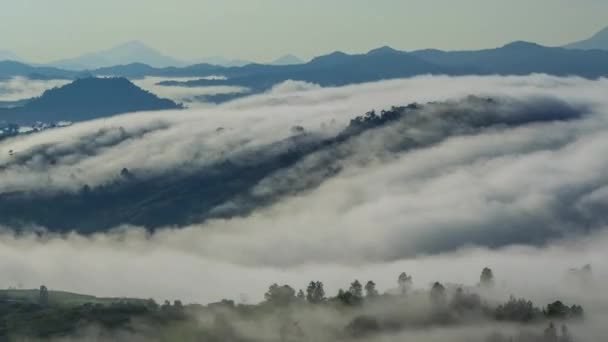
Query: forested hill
[180,197]
[85,99]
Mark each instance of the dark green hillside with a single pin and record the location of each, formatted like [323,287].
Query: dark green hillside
[85,99]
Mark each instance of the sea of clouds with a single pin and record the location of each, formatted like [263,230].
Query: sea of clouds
[528,199]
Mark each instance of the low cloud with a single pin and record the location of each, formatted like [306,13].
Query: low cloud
[20,88]
[518,185]
[138,264]
[189,96]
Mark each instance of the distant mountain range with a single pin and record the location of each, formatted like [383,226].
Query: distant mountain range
[136,52]
[139,70]
[9,68]
[520,58]
[338,68]
[331,70]
[126,53]
[597,41]
[221,61]
[85,99]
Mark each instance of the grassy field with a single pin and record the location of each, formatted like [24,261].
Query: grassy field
[62,298]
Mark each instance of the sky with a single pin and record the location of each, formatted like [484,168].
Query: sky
[261,30]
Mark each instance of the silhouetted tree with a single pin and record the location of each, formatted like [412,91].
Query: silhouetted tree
[345,297]
[405,283]
[517,310]
[310,290]
[576,311]
[301,296]
[465,302]
[280,295]
[559,310]
[315,293]
[438,295]
[43,296]
[370,289]
[125,173]
[85,190]
[356,290]
[166,306]
[151,304]
[297,129]
[487,278]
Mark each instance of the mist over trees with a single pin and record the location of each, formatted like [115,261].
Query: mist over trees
[359,313]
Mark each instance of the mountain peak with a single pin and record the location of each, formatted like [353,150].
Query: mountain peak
[288,59]
[334,57]
[520,44]
[88,98]
[134,43]
[134,46]
[383,50]
[133,51]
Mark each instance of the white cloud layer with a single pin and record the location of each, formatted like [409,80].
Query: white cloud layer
[20,88]
[384,213]
[190,96]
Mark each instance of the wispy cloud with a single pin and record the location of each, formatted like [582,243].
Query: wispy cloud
[20,88]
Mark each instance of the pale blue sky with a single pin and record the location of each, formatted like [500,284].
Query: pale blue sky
[44,30]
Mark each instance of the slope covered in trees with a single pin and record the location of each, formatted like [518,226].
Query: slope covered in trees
[192,193]
[85,99]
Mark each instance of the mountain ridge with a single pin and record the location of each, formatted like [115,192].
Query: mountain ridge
[339,68]
[597,41]
[9,68]
[86,99]
[129,52]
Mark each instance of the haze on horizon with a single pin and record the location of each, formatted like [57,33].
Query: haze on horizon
[265,29]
